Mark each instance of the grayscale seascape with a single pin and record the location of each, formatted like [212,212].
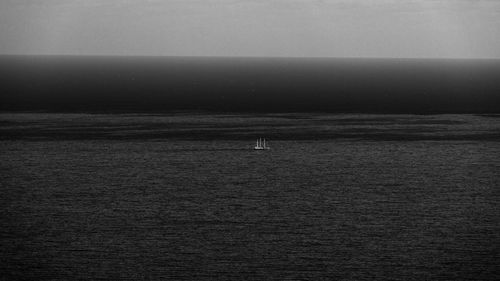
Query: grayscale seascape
[185,197]
[349,140]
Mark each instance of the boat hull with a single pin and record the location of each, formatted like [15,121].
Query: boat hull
[261,148]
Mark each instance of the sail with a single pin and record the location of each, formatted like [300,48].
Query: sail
[260,144]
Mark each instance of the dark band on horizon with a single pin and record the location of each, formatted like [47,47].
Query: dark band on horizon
[144,84]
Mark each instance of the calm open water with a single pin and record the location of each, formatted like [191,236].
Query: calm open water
[344,197]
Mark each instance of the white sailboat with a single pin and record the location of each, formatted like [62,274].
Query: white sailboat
[261,145]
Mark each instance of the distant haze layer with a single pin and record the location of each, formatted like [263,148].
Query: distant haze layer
[154,84]
[261,28]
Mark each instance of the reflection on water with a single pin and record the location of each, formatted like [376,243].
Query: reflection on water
[291,126]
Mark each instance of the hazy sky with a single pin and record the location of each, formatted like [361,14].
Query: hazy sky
[296,28]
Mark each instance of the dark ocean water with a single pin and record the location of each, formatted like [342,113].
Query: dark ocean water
[184,197]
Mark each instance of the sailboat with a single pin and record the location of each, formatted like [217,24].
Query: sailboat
[261,145]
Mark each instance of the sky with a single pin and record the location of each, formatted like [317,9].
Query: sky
[274,28]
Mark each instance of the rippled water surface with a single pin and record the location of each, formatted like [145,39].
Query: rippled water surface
[127,205]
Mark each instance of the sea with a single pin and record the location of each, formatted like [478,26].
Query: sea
[184,196]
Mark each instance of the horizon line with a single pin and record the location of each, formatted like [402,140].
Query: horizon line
[249,57]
